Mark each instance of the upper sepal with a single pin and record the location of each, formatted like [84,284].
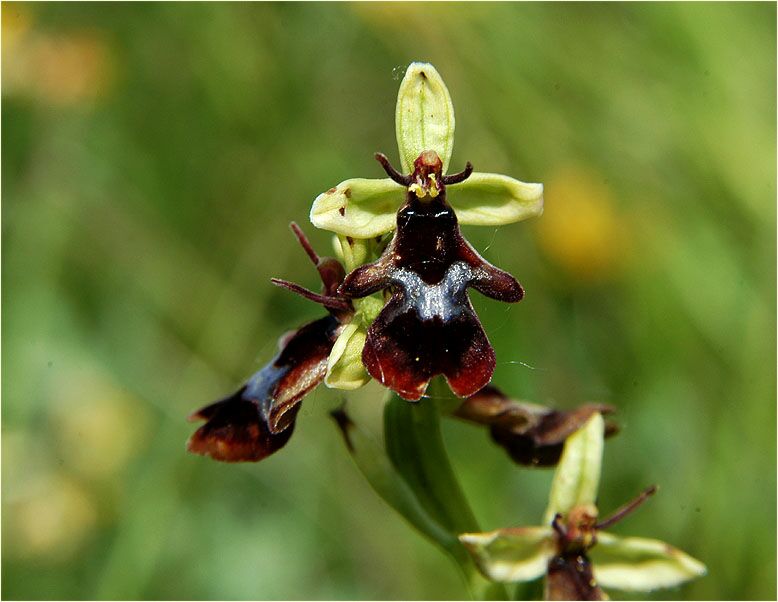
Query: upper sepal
[424,116]
[577,476]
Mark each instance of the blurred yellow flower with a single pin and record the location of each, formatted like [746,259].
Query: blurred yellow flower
[581,230]
[49,516]
[16,23]
[100,426]
[63,68]
[71,68]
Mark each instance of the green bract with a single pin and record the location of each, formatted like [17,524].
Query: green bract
[364,208]
[627,563]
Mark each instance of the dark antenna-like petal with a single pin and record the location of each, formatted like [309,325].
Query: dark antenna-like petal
[459,177]
[395,175]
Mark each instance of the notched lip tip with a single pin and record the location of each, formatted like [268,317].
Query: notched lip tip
[192,447]
[195,416]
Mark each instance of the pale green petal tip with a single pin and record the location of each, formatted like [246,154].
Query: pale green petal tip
[640,564]
[487,199]
[360,207]
[345,369]
[577,476]
[352,252]
[424,117]
[510,555]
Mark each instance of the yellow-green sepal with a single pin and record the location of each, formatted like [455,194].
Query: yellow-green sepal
[507,555]
[424,117]
[360,207]
[641,564]
[489,199]
[577,476]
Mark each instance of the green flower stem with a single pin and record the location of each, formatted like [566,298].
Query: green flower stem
[529,590]
[415,446]
[387,482]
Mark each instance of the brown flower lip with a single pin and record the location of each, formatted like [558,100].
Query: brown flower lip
[428,326]
[258,419]
[532,435]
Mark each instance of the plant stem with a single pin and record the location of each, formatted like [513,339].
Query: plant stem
[415,446]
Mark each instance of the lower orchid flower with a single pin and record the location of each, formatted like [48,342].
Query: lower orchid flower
[571,547]
[259,418]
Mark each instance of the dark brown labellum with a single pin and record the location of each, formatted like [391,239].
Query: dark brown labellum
[258,419]
[533,435]
[569,574]
[428,326]
[570,577]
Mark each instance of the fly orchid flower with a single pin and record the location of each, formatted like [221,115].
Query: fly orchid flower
[533,435]
[428,326]
[571,547]
[258,419]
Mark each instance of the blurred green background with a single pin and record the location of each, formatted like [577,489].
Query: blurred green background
[153,155]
